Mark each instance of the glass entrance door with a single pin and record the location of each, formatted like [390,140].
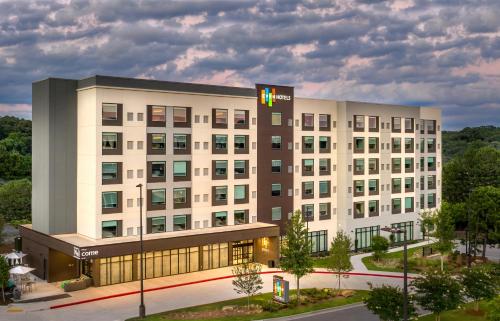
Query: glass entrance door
[242,252]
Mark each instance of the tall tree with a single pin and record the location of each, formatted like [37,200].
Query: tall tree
[380,245]
[426,222]
[480,283]
[444,230]
[4,275]
[437,292]
[387,302]
[15,200]
[247,280]
[339,260]
[296,250]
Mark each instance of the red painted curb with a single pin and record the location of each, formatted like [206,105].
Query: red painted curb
[59,306]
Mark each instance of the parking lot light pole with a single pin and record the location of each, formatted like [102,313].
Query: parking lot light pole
[142,307]
[405,267]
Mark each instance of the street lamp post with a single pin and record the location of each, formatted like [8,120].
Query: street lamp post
[405,267]
[142,307]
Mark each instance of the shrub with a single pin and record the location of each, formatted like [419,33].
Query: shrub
[271,306]
[380,245]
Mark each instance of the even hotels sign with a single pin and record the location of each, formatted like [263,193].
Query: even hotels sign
[269,95]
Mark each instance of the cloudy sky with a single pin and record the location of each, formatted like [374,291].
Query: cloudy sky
[420,52]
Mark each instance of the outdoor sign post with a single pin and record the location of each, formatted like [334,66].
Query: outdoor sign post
[280,289]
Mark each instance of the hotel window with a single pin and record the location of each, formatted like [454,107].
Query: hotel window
[240,194]
[359,145]
[396,145]
[409,145]
[359,188]
[276,213]
[359,166]
[359,209]
[396,165]
[324,188]
[373,145]
[239,168]
[220,118]
[431,200]
[275,189]
[431,126]
[324,211]
[373,123]
[221,193]
[111,229]
[180,142]
[180,115]
[431,182]
[158,197]
[319,241]
[158,141]
[220,219]
[276,166]
[373,165]
[241,119]
[276,142]
[409,125]
[324,144]
[324,122]
[158,169]
[396,124]
[109,141]
[308,212]
[307,144]
[180,222]
[431,145]
[158,113]
[396,205]
[422,201]
[409,186]
[422,145]
[109,171]
[396,185]
[180,168]
[373,186]
[364,235]
[422,126]
[324,167]
[112,114]
[308,189]
[422,182]
[359,123]
[276,119]
[409,167]
[109,199]
[422,164]
[156,224]
[221,142]
[372,208]
[221,168]
[240,144]
[240,217]
[307,121]
[308,167]
[408,204]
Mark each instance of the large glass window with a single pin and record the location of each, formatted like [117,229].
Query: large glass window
[109,229]
[276,165]
[373,208]
[396,165]
[319,241]
[408,124]
[408,226]
[359,209]
[158,169]
[323,209]
[158,141]
[308,188]
[109,171]
[308,210]
[324,141]
[396,185]
[180,141]
[109,140]
[323,121]
[409,184]
[324,188]
[364,235]
[373,165]
[408,164]
[221,116]
[158,196]
[239,167]
[180,222]
[180,115]
[158,224]
[359,122]
[221,193]
[323,164]
[220,218]
[180,195]
[431,163]
[359,166]
[239,142]
[308,142]
[396,123]
[276,142]
[239,192]
[309,120]
[359,187]
[109,112]
[276,190]
[276,119]
[396,145]
[308,165]
[431,200]
[158,113]
[109,199]
[396,205]
[431,145]
[359,144]
[221,168]
[373,144]
[408,204]
[180,168]
[276,213]
[221,142]
[409,145]
[373,186]
[240,117]
[239,217]
[373,123]
[431,182]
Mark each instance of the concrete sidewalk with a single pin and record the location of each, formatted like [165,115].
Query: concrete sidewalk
[358,265]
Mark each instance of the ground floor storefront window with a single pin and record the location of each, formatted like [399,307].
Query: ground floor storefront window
[319,241]
[117,269]
[399,237]
[364,235]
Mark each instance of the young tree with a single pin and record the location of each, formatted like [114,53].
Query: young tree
[387,302]
[479,283]
[340,259]
[4,275]
[296,250]
[247,280]
[444,230]
[426,222]
[380,245]
[437,292]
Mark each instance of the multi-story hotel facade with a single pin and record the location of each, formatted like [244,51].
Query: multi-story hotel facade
[221,168]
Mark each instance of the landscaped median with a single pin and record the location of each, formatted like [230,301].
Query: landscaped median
[262,306]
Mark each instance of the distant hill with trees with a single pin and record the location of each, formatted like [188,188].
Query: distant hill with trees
[455,143]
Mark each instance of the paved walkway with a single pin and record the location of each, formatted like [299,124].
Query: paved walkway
[359,266]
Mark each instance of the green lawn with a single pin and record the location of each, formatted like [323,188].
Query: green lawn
[459,315]
[413,262]
[320,262]
[259,299]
